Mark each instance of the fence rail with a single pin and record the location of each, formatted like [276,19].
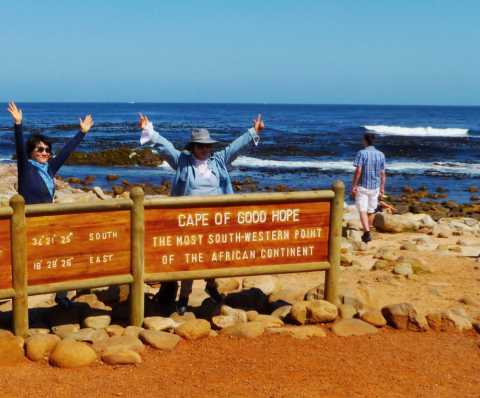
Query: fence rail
[47,248]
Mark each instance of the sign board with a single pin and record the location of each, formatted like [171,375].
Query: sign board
[236,235]
[77,246]
[5,255]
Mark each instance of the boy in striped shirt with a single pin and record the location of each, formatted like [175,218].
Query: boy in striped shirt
[368,182]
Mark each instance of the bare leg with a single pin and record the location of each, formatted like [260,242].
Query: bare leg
[364,219]
[371,217]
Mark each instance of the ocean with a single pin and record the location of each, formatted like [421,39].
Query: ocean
[303,146]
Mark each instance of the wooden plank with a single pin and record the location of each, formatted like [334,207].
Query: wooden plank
[77,246]
[186,239]
[5,255]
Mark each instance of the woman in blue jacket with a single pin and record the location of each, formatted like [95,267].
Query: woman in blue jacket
[201,172]
[37,168]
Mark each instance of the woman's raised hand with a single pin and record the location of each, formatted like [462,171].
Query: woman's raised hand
[143,121]
[16,113]
[258,123]
[86,124]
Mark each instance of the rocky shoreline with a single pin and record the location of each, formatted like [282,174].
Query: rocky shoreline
[420,273]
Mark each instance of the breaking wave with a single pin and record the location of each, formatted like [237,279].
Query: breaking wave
[418,131]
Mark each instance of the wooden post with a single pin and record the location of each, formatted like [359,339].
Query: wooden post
[19,265]
[336,216]
[137,298]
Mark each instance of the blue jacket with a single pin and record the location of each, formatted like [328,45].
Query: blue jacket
[30,184]
[182,162]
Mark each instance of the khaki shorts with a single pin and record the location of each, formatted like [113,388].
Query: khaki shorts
[366,200]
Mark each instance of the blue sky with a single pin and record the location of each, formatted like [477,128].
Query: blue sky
[302,51]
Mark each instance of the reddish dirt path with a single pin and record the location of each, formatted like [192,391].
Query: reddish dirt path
[391,364]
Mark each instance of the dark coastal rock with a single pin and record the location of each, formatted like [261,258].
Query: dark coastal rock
[122,156]
[88,180]
[111,177]
[472,189]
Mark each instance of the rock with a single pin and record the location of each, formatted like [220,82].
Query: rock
[93,301]
[72,354]
[404,316]
[111,177]
[382,265]
[194,329]
[470,251]
[315,293]
[299,332]
[266,283]
[160,340]
[449,320]
[223,321]
[347,311]
[11,351]
[88,335]
[374,317]
[159,323]
[476,326]
[238,314]
[34,331]
[321,311]
[353,327]
[416,263]
[97,321]
[441,231]
[395,223]
[122,357]
[251,315]
[287,294]
[404,269]
[132,331]
[387,253]
[187,316]
[98,191]
[282,312]
[227,285]
[346,260]
[119,343]
[410,246]
[40,346]
[247,330]
[269,321]
[64,330]
[469,301]
[114,330]
[298,312]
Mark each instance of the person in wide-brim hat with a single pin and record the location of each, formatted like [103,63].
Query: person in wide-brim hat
[199,171]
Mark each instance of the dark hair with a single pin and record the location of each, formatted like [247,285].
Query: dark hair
[34,140]
[369,138]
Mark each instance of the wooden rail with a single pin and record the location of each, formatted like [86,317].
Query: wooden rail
[49,248]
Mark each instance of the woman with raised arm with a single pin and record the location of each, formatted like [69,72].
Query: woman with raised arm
[198,171]
[37,167]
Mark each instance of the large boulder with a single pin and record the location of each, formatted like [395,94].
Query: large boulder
[352,327]
[160,340]
[313,311]
[194,329]
[299,332]
[40,346]
[247,330]
[395,223]
[119,343]
[159,323]
[266,283]
[72,354]
[404,316]
[122,357]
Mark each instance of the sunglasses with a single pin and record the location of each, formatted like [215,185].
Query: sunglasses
[41,149]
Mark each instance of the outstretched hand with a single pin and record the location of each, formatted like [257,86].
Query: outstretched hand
[16,113]
[86,124]
[258,123]
[143,121]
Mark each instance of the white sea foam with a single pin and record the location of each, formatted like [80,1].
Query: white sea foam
[347,166]
[418,131]
[472,169]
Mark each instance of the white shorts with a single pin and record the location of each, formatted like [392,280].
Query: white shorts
[366,200]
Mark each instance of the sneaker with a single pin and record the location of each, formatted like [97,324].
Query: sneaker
[366,237]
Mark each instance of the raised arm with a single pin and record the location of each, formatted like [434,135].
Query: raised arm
[58,161]
[22,156]
[230,153]
[162,145]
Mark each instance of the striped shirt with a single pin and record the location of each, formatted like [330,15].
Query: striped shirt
[372,162]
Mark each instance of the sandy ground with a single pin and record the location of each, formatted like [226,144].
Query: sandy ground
[390,364]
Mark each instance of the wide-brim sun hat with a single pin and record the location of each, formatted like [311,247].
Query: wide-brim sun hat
[201,136]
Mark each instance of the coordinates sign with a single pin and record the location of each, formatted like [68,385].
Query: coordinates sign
[77,246]
[236,236]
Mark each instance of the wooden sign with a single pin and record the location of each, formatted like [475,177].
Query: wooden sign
[184,239]
[5,255]
[77,246]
